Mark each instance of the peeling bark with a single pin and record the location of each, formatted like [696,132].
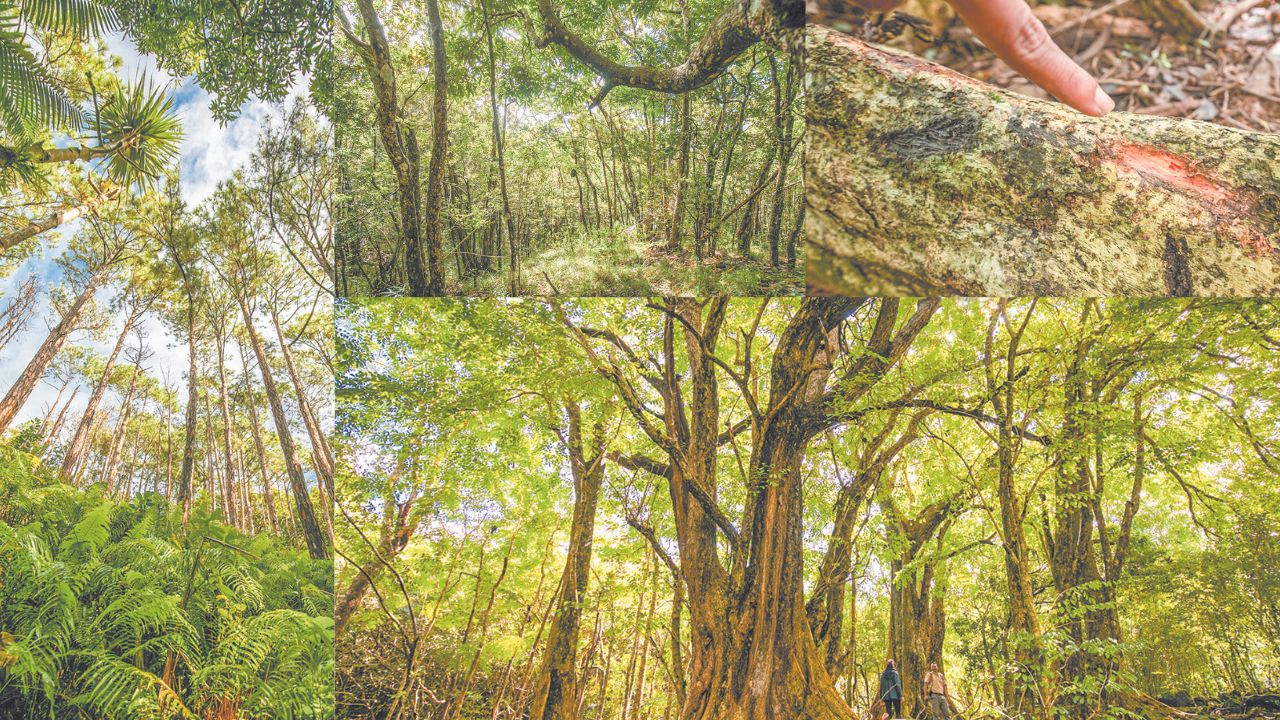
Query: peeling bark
[922,181]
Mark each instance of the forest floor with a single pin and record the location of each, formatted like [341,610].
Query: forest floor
[620,263]
[1230,77]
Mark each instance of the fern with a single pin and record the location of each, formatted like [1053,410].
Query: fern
[92,620]
[91,533]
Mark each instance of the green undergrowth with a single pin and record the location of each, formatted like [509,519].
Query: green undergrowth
[619,262]
[113,610]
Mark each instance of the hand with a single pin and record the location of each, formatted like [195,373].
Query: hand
[1018,37]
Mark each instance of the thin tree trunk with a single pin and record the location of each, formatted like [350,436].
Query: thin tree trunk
[557,687]
[316,545]
[31,374]
[783,122]
[320,445]
[72,456]
[401,145]
[439,150]
[224,405]
[186,492]
[122,423]
[682,175]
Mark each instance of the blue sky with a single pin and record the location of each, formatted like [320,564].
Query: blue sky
[210,153]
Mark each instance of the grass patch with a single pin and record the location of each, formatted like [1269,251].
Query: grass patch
[618,262]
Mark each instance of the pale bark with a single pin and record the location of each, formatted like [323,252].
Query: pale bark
[122,423]
[923,181]
[252,402]
[57,218]
[319,444]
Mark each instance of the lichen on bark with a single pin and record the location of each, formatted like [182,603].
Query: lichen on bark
[922,181]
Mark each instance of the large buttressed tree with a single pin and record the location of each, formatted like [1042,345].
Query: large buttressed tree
[743,507]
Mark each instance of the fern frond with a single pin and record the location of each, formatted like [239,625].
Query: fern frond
[91,533]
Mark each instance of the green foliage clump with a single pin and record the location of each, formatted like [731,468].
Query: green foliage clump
[113,610]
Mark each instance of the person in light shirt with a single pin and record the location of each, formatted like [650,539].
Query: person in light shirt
[935,692]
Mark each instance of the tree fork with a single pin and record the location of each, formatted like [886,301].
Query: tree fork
[912,170]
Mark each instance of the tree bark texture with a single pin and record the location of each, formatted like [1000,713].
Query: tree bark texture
[922,181]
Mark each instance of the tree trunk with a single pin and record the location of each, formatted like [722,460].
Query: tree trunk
[31,374]
[401,145]
[783,122]
[228,483]
[682,175]
[57,218]
[916,606]
[122,423]
[56,428]
[316,545]
[500,152]
[556,691]
[251,401]
[389,546]
[74,448]
[186,491]
[319,444]
[1023,626]
[439,150]
[922,181]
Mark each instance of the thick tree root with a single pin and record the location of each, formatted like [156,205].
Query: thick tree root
[922,181]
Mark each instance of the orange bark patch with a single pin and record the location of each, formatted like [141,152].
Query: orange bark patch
[1172,171]
[1231,208]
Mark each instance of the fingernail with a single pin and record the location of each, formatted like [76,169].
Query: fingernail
[1103,101]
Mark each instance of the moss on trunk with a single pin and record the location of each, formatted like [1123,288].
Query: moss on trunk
[922,181]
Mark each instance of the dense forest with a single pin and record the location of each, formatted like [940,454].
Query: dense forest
[683,508]
[165,362]
[508,147]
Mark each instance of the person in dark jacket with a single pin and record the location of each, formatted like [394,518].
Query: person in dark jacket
[891,690]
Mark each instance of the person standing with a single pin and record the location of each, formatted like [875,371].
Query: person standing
[935,692]
[891,690]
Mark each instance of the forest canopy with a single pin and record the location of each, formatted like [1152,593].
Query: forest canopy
[626,508]
[529,148]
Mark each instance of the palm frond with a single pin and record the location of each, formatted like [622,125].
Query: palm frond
[82,18]
[30,103]
[142,119]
